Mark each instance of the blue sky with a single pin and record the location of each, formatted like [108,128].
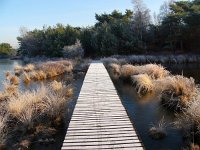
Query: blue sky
[36,13]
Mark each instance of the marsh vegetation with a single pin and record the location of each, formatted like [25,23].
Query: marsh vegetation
[31,115]
[175,94]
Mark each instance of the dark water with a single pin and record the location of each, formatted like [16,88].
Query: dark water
[143,111]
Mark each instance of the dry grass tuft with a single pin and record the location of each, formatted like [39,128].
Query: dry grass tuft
[143,83]
[53,69]
[114,68]
[178,92]
[28,107]
[18,70]
[45,70]
[154,71]
[41,75]
[157,131]
[29,67]
[69,91]
[56,86]
[7,75]
[14,80]
[66,91]
[128,70]
[26,78]
[10,89]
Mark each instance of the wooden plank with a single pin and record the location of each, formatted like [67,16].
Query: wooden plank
[99,120]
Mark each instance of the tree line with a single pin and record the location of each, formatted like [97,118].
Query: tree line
[176,28]
[6,50]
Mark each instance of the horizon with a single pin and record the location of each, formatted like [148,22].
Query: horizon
[35,14]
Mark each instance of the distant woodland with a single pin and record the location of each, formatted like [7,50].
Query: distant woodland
[175,29]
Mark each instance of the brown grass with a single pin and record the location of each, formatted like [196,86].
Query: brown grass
[10,89]
[7,75]
[41,75]
[37,75]
[114,68]
[143,83]
[128,70]
[69,92]
[56,86]
[26,78]
[18,70]
[28,106]
[53,69]
[177,92]
[154,71]
[14,80]
[29,67]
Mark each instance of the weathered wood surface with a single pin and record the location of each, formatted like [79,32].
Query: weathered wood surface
[99,120]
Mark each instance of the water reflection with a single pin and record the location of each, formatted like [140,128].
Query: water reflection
[143,111]
[7,65]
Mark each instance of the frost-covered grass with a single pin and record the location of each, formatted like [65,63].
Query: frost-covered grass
[177,91]
[163,59]
[42,71]
[143,83]
[35,115]
[128,70]
[26,111]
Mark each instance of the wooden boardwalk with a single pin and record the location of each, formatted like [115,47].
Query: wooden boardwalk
[99,120]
